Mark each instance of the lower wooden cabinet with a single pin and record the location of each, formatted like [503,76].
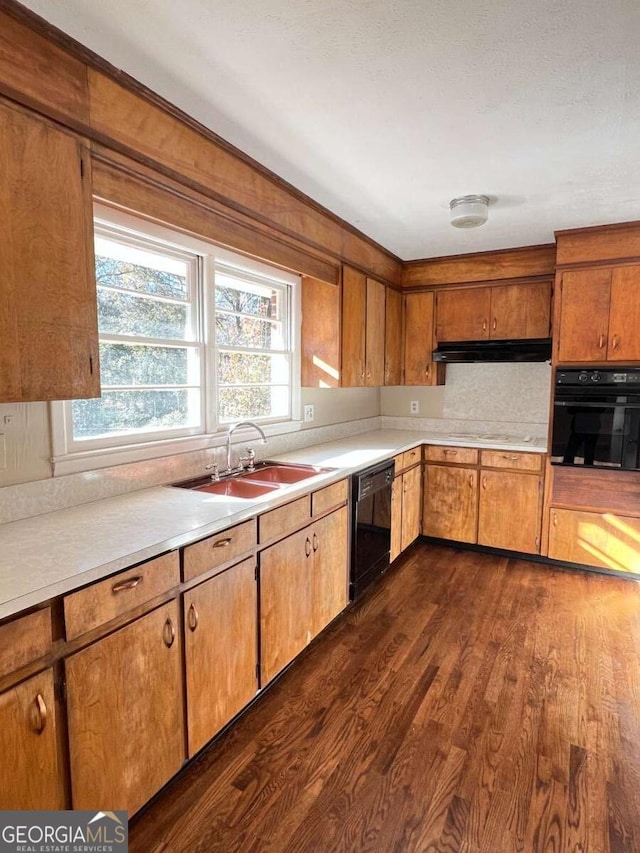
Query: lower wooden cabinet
[31,777]
[125,713]
[411,505]
[509,511]
[303,585]
[221,650]
[396,518]
[450,506]
[605,540]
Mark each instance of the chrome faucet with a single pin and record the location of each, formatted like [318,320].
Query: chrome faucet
[230,432]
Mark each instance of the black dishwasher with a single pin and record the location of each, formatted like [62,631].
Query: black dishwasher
[371,525]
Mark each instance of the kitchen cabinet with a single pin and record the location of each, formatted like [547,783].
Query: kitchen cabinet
[31,774]
[320,334]
[450,509]
[363,330]
[125,713]
[406,501]
[605,540]
[419,342]
[393,349]
[303,585]
[494,313]
[48,313]
[599,315]
[221,650]
[492,498]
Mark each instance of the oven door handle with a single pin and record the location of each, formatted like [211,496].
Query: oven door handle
[581,404]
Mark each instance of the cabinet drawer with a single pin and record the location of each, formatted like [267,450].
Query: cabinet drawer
[514,461]
[331,496]
[103,601]
[218,550]
[284,519]
[459,455]
[410,458]
[24,640]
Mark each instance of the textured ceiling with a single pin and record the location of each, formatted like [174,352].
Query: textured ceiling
[383,111]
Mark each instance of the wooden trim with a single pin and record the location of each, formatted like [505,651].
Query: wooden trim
[617,241]
[498,265]
[143,192]
[594,490]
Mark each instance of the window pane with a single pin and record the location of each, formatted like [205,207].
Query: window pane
[236,368]
[131,411]
[131,268]
[264,402]
[137,364]
[126,314]
[246,297]
[234,330]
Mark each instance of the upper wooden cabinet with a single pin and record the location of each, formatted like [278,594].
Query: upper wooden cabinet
[48,324]
[599,315]
[363,330]
[418,340]
[320,334]
[393,338]
[509,311]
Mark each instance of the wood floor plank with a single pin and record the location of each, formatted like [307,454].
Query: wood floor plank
[467,704]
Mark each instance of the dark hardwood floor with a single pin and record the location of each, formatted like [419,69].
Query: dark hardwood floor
[469,703]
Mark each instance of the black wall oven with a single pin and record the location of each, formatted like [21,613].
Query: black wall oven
[596,418]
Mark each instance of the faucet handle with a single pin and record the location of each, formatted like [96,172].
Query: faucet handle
[249,458]
[214,468]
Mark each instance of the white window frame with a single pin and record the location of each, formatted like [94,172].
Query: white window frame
[75,455]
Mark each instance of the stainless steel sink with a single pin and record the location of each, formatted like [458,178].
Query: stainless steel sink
[267,478]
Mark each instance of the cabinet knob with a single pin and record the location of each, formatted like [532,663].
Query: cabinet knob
[615,342]
[484,325]
[168,633]
[494,325]
[484,483]
[193,618]
[555,520]
[470,481]
[601,341]
[307,546]
[40,714]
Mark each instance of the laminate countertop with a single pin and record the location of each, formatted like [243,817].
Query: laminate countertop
[52,554]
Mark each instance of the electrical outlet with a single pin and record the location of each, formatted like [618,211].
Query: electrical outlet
[414,407]
[308,412]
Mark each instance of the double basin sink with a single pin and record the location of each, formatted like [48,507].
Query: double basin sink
[267,477]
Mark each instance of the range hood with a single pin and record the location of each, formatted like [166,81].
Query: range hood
[460,352]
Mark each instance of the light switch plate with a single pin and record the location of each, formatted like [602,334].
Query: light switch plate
[308,412]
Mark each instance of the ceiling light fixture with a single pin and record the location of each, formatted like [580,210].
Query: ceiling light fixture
[469,211]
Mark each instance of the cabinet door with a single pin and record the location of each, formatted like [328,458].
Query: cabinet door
[396,518]
[375,334]
[584,315]
[624,316]
[221,650]
[30,776]
[608,541]
[330,569]
[393,338]
[463,315]
[510,511]
[418,340]
[48,323]
[450,506]
[411,504]
[125,711]
[354,298]
[320,334]
[521,311]
[286,570]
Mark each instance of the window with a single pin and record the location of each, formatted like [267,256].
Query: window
[192,338]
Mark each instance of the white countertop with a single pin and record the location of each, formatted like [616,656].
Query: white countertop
[49,555]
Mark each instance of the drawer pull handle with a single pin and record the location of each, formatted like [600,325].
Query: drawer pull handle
[40,716]
[223,543]
[130,583]
[193,617]
[316,543]
[512,457]
[450,452]
[471,481]
[307,546]
[169,633]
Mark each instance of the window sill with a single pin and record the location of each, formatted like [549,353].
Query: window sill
[90,460]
